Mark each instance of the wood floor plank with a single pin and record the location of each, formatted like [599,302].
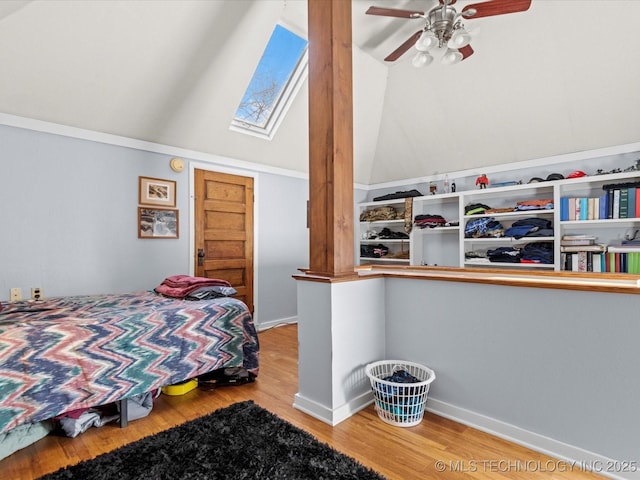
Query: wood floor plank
[395,452]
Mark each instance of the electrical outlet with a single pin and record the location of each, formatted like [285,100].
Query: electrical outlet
[36,293]
[16,295]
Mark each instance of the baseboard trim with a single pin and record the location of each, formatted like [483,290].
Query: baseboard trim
[575,457]
[326,414]
[276,323]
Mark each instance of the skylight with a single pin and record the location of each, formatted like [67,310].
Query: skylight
[277,78]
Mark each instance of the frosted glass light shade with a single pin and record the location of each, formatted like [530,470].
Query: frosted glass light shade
[426,41]
[422,59]
[460,38]
[451,57]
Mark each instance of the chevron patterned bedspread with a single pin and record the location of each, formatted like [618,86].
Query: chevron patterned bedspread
[66,353]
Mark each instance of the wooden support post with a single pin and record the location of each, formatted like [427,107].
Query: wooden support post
[330,139]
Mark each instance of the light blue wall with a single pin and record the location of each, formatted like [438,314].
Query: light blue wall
[69,217]
[557,363]
[69,222]
[283,245]
[549,368]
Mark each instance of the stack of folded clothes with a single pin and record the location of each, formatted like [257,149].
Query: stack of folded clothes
[544,204]
[195,288]
[538,252]
[389,234]
[476,209]
[530,227]
[373,251]
[483,227]
[504,255]
[429,221]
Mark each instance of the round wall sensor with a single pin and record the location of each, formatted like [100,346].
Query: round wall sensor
[176,164]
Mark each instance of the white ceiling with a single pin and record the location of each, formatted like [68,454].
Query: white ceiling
[562,77]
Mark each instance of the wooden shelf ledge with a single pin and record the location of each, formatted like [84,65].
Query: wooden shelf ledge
[599,282]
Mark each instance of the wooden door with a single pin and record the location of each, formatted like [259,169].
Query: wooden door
[224,230]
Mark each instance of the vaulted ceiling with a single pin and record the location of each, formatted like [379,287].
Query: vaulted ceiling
[562,77]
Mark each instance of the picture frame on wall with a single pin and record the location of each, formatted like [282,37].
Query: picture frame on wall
[158,223]
[156,191]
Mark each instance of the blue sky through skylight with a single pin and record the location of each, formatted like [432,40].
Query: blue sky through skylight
[278,62]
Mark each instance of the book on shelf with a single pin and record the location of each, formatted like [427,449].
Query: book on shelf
[572,209]
[577,240]
[597,262]
[621,201]
[598,257]
[624,203]
[603,206]
[564,208]
[625,262]
[634,263]
[590,208]
[583,261]
[577,236]
[571,262]
[621,259]
[584,209]
[596,247]
[623,248]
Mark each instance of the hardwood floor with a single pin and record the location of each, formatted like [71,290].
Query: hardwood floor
[437,448]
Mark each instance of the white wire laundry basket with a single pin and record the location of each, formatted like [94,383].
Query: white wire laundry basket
[399,404]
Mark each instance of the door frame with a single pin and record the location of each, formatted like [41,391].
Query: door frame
[193,166]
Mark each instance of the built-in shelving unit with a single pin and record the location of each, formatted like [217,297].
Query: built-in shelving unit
[371,225]
[447,246]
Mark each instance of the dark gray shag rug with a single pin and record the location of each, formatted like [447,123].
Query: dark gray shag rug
[242,441]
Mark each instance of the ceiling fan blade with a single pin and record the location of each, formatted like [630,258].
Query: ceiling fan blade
[394,12]
[495,7]
[466,51]
[398,52]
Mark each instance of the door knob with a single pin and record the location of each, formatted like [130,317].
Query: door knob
[200,257]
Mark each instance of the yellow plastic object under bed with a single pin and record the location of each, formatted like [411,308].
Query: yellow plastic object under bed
[180,388]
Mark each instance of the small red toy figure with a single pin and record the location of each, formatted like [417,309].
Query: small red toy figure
[482,180]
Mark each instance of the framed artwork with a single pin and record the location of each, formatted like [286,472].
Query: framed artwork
[158,192]
[157,223]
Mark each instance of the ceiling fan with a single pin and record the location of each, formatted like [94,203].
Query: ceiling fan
[443,28]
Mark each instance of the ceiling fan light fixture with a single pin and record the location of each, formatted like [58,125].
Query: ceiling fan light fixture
[422,59]
[443,27]
[426,41]
[452,56]
[460,38]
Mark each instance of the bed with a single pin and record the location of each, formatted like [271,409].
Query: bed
[68,353]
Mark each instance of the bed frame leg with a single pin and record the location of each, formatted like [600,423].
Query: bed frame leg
[124,412]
